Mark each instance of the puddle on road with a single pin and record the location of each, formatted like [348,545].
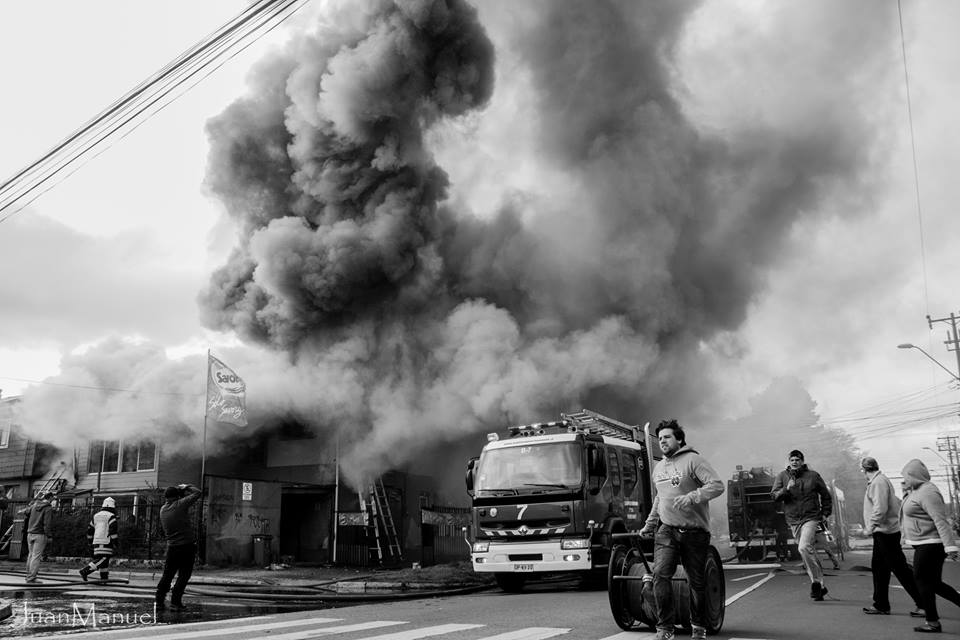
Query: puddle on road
[42,612]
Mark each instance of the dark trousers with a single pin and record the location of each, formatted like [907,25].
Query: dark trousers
[928,572]
[179,562]
[689,548]
[888,558]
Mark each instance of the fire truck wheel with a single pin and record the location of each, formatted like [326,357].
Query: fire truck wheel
[510,582]
[716,591]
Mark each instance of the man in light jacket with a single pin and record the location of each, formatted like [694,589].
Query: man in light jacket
[39,521]
[881,519]
[679,520]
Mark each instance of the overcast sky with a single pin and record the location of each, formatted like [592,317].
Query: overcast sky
[801,106]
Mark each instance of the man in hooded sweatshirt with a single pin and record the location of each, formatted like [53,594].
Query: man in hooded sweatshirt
[679,521]
[103,535]
[925,527]
[39,516]
[806,506]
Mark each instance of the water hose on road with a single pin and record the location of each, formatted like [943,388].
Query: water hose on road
[301,596]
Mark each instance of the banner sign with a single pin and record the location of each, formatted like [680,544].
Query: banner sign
[438,518]
[226,394]
[352,518]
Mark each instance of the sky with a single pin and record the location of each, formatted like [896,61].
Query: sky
[660,210]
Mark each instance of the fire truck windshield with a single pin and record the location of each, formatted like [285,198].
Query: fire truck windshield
[541,465]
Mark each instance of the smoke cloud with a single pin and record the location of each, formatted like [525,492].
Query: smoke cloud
[434,257]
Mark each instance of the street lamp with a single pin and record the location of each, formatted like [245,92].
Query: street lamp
[907,345]
[937,453]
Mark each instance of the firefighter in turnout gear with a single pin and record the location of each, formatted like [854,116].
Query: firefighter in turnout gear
[103,534]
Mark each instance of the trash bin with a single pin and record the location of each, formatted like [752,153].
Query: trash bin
[261,550]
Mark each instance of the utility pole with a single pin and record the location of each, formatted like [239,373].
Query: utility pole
[949,444]
[953,340]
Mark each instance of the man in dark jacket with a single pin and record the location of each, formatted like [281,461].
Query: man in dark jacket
[103,533]
[181,543]
[39,516]
[806,505]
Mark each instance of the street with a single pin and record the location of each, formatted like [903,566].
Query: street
[762,603]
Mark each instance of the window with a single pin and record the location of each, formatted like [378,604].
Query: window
[6,423]
[613,469]
[629,473]
[531,467]
[112,456]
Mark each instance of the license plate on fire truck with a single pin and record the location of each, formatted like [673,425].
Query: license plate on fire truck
[523,566]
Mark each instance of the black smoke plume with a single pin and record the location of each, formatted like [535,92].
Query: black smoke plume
[420,318]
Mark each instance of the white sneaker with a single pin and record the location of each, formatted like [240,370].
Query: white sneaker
[664,634]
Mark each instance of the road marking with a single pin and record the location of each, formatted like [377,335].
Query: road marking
[530,633]
[751,566]
[159,633]
[752,587]
[343,628]
[423,633]
[752,575]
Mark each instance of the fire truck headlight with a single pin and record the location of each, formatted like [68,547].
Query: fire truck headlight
[481,547]
[576,543]
[571,557]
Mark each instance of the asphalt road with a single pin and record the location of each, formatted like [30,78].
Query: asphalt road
[761,604]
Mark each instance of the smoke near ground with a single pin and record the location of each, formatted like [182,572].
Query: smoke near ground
[442,254]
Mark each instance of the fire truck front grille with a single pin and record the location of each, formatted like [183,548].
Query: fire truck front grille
[525,557]
[557,523]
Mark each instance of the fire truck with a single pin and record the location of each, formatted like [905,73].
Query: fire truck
[549,497]
[758,528]
[757,524]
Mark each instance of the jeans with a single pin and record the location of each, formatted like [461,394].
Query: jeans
[36,543]
[179,562]
[888,558]
[689,548]
[806,535]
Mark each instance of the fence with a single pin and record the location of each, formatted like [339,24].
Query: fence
[441,533]
[141,536]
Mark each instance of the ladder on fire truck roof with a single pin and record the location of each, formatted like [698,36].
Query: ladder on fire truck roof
[381,526]
[594,422]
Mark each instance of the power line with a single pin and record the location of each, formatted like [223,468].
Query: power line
[916,164]
[143,102]
[110,389]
